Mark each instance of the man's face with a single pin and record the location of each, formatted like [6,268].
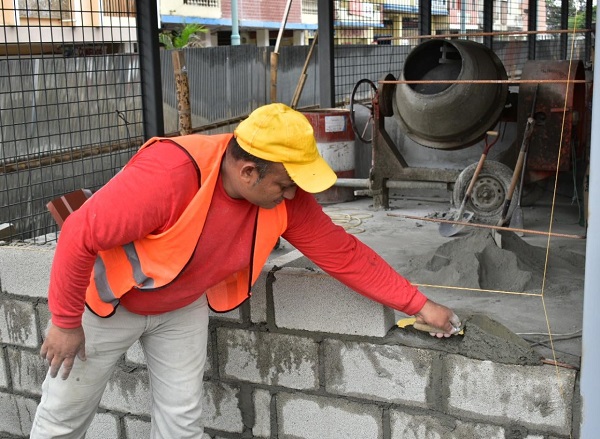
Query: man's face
[272,189]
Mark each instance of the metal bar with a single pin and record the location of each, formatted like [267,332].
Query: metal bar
[488,34]
[488,20]
[391,184]
[148,44]
[490,81]
[590,348]
[532,27]
[325,54]
[425,17]
[489,226]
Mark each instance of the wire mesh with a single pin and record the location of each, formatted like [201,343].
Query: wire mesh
[70,89]
[373,39]
[70,104]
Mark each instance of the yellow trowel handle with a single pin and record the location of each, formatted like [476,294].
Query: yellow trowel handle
[427,328]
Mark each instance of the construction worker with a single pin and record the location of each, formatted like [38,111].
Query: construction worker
[188,223]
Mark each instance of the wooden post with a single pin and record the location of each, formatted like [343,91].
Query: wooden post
[183,93]
[275,54]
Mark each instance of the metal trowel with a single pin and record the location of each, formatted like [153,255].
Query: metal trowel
[412,321]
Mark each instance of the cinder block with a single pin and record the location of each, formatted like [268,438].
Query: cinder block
[17,414]
[312,417]
[314,301]
[28,371]
[44,317]
[395,374]
[135,354]
[536,397]
[267,358]
[25,270]
[258,301]
[221,408]
[408,426]
[104,426]
[233,315]
[136,428]
[17,323]
[262,414]
[4,371]
[140,429]
[127,392]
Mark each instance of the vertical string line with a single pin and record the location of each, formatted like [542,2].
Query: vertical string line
[568,84]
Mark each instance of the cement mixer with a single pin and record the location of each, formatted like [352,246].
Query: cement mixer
[451,95]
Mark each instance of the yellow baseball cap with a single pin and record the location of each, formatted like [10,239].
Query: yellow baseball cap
[277,133]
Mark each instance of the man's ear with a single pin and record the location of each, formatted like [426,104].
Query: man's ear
[248,172]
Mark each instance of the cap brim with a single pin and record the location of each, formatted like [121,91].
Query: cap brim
[313,177]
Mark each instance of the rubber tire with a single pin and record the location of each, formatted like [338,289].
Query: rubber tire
[494,176]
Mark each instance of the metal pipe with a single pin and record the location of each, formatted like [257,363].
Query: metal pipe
[235,29]
[590,381]
[391,184]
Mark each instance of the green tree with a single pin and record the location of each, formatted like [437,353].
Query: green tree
[187,36]
[578,21]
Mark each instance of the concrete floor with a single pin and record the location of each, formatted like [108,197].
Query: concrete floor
[399,239]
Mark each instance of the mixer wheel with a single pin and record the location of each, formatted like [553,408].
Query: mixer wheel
[363,94]
[489,192]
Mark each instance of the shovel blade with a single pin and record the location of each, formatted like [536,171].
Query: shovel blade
[447,229]
[516,220]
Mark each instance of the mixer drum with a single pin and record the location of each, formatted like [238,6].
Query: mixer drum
[451,115]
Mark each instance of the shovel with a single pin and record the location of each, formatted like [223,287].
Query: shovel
[462,215]
[516,220]
[520,162]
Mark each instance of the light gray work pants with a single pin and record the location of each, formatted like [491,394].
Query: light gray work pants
[175,347]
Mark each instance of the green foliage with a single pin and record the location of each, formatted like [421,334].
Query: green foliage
[187,36]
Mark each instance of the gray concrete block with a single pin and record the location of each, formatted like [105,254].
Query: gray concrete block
[262,414]
[312,417]
[221,408]
[135,354]
[537,397]
[17,323]
[279,258]
[326,305]
[4,371]
[258,301]
[17,414]
[127,392]
[267,358]
[395,374]
[28,371]
[104,426]
[44,317]
[136,428]
[233,315]
[25,269]
[410,426]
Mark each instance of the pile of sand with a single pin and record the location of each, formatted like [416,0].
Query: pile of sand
[474,260]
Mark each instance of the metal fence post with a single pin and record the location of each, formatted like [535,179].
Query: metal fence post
[148,49]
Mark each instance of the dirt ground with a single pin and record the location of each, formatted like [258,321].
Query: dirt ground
[533,285]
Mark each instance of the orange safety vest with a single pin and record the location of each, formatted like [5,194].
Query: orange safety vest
[155,261]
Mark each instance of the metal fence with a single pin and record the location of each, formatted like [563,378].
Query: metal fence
[70,91]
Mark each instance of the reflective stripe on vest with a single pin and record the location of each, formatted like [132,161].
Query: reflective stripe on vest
[156,260]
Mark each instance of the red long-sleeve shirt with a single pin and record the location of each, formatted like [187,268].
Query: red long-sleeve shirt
[148,196]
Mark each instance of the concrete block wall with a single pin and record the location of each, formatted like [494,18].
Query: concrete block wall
[304,358]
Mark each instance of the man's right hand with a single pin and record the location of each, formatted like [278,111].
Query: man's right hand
[60,348]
